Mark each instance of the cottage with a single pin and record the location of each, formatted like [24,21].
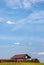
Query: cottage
[21,57]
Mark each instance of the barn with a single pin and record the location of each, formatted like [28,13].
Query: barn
[21,57]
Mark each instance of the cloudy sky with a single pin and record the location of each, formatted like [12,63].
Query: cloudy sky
[22,28]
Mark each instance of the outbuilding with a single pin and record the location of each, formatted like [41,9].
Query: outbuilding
[21,57]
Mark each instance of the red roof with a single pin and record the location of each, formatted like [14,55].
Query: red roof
[20,56]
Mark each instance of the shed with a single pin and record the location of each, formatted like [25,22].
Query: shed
[35,60]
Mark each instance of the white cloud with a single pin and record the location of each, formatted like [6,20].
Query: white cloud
[17,43]
[41,53]
[14,4]
[10,22]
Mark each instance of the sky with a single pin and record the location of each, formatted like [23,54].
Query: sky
[22,28]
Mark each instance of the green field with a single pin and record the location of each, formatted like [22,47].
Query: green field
[20,63]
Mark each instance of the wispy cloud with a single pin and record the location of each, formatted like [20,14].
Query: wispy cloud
[6,46]
[15,4]
[5,37]
[1,19]
[30,43]
[41,53]
[37,39]
[33,18]
[34,1]
[27,4]
[36,17]
[22,38]
[13,38]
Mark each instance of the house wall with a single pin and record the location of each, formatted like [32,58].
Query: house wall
[20,60]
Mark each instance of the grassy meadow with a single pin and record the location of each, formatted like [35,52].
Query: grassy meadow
[20,63]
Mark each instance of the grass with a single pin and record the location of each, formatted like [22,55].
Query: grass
[20,63]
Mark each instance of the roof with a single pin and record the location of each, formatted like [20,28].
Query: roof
[20,56]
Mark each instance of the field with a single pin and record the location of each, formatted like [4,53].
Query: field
[20,63]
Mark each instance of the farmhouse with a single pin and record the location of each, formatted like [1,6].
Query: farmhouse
[21,57]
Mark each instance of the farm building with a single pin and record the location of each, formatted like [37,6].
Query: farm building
[21,57]
[35,60]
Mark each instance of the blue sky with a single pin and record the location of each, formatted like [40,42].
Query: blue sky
[22,28]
